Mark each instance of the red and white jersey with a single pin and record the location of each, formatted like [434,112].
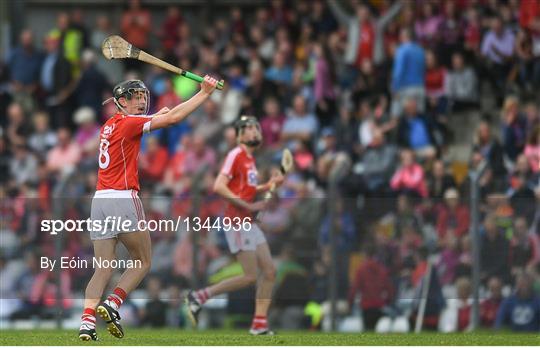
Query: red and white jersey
[120,141]
[239,167]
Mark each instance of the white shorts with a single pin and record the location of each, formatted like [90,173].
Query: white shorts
[111,209]
[245,240]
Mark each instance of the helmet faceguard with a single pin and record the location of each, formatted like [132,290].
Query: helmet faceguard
[129,89]
[242,123]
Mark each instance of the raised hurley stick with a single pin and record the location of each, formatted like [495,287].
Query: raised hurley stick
[115,47]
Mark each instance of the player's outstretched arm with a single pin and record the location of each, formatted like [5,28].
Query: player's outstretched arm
[181,111]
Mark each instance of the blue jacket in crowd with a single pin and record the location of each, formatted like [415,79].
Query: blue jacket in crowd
[520,314]
[409,67]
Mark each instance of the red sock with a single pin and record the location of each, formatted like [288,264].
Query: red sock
[259,322]
[88,318]
[116,299]
[202,295]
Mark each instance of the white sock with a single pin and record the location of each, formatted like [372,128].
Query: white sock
[88,322]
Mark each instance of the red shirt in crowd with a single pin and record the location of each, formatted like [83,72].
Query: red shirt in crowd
[435,82]
[473,35]
[176,165]
[528,10]
[488,311]
[153,165]
[464,317]
[457,220]
[365,46]
[168,99]
[136,25]
[418,273]
[372,281]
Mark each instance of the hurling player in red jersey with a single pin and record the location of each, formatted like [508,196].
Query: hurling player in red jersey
[117,198]
[237,182]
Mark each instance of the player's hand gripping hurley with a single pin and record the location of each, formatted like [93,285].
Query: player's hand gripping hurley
[286,166]
[115,47]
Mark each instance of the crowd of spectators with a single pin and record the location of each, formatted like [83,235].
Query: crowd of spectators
[364,93]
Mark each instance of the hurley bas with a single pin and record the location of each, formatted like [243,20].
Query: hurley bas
[78,263]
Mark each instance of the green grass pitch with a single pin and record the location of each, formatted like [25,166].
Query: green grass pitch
[141,337]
